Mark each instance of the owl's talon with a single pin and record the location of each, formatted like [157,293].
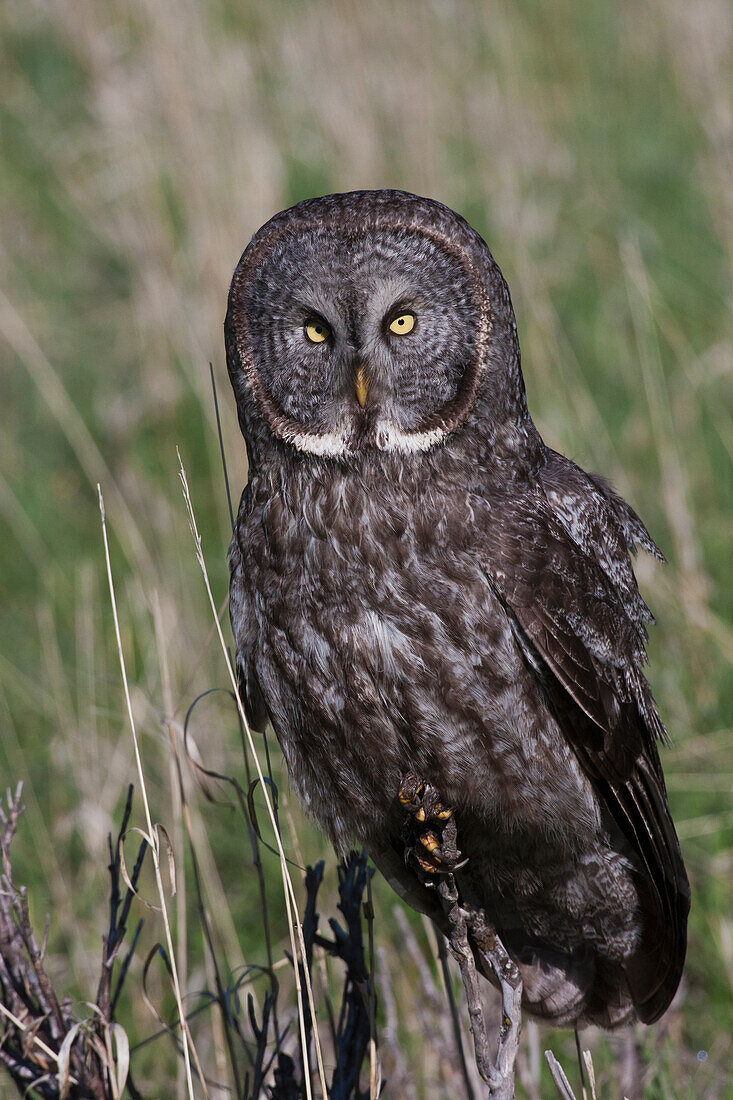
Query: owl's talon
[431,842]
[432,850]
[411,790]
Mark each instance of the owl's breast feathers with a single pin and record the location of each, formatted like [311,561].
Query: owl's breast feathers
[492,640]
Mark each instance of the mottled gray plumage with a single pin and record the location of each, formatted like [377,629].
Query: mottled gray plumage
[419,584]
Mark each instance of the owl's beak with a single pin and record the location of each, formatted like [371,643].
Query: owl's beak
[361,384]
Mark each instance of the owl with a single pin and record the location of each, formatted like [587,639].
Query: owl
[421,586]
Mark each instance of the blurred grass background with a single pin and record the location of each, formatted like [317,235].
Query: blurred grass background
[142,143]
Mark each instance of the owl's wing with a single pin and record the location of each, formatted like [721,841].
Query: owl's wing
[558,560]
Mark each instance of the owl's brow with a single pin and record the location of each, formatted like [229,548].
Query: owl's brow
[400,305]
[307,309]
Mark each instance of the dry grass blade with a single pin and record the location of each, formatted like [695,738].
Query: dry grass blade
[22,1027]
[558,1076]
[294,923]
[152,837]
[590,1070]
[64,1061]
[375,1066]
[119,1066]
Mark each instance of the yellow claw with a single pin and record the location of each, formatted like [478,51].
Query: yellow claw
[429,841]
[420,815]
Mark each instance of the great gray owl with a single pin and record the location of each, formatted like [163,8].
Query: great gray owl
[420,585]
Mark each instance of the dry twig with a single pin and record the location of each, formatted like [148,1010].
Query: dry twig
[466,919]
[41,1046]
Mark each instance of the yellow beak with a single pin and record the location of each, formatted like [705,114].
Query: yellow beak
[361,383]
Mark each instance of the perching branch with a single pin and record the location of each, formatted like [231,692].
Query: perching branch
[464,920]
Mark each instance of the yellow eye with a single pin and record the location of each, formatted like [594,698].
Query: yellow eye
[317,331]
[403,324]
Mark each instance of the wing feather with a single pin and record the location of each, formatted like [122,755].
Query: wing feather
[563,573]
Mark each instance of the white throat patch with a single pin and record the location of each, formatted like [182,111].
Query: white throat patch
[392,438]
[323,445]
[388,437]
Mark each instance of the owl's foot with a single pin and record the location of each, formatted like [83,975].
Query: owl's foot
[430,832]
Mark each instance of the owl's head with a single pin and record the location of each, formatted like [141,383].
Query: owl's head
[370,320]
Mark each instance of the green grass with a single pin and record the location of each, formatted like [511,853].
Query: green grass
[141,147]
